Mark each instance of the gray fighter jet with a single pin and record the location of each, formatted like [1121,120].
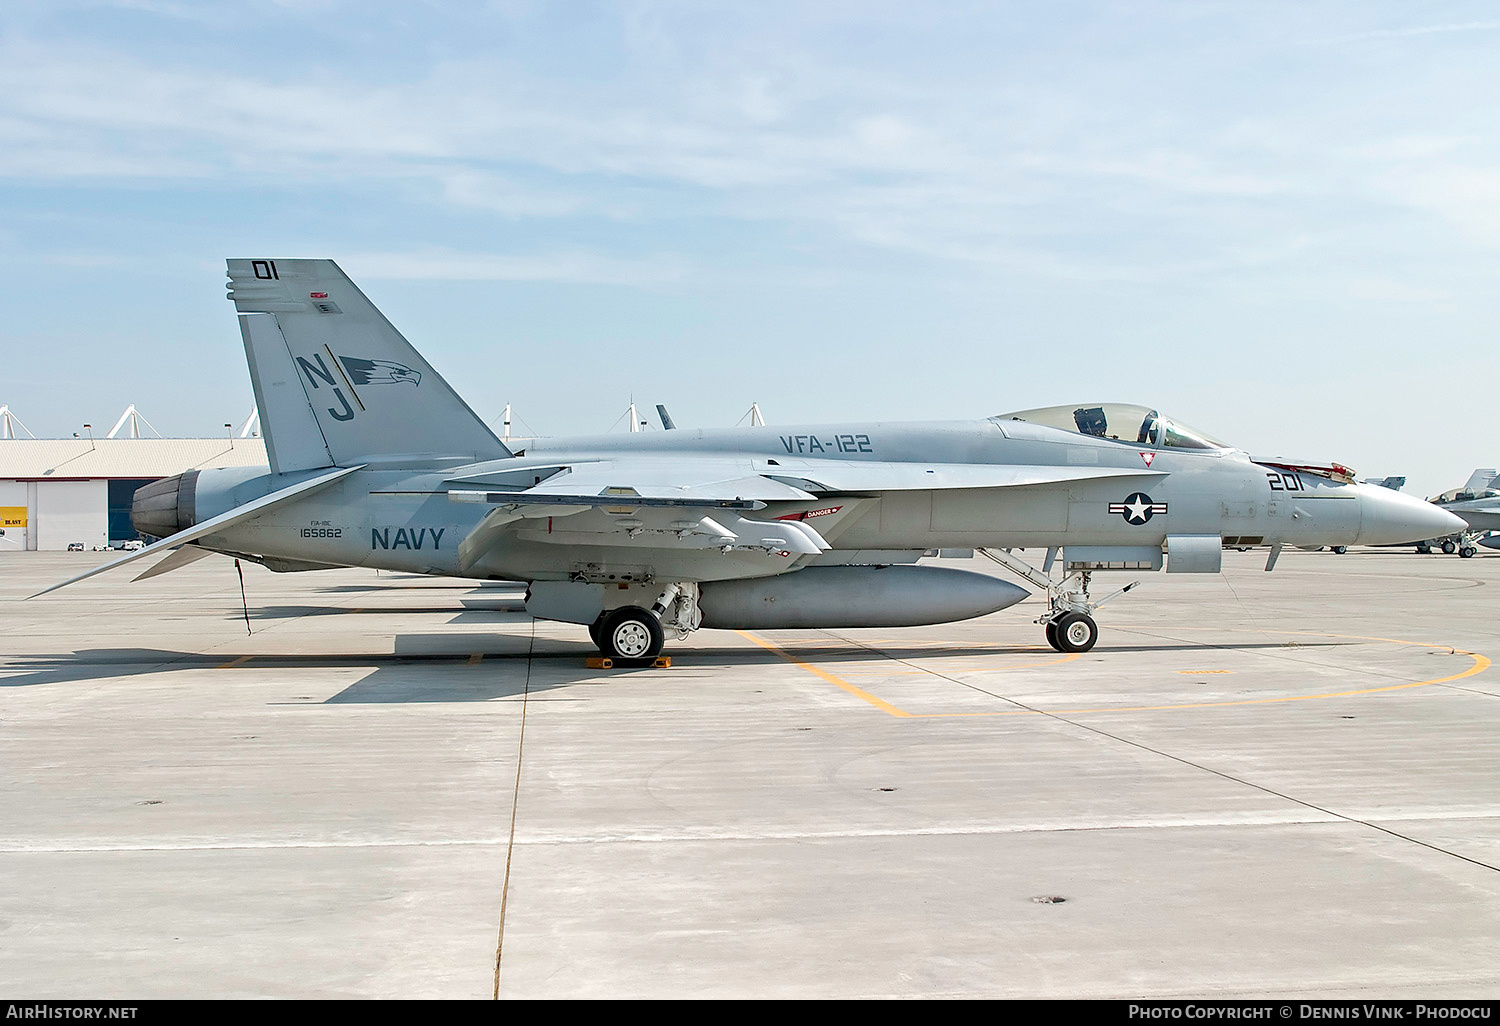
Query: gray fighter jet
[1478,504]
[376,462]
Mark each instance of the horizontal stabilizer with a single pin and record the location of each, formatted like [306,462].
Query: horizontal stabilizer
[179,558]
[218,523]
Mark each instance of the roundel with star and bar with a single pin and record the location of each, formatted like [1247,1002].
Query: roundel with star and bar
[1137,508]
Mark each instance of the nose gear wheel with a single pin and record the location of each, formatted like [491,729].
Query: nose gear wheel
[1067,623]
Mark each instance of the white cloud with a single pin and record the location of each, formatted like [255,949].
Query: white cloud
[1019,162]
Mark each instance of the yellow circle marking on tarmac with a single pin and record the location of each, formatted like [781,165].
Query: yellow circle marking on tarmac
[1481,663]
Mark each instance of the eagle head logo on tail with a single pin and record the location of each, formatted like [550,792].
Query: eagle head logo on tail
[378,372]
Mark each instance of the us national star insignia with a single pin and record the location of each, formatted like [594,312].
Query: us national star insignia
[1137,508]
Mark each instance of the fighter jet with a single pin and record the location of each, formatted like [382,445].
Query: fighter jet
[375,461]
[1478,504]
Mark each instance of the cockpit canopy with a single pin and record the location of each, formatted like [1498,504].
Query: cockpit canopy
[1119,422]
[1466,495]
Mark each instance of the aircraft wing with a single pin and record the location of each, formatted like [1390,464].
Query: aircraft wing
[654,478]
[641,503]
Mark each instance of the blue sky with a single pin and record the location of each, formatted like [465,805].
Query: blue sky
[1276,221]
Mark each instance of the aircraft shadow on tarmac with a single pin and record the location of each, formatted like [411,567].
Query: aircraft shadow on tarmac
[474,610]
[427,674]
[429,668]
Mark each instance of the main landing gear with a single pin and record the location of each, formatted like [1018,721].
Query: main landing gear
[1068,622]
[629,632]
[636,634]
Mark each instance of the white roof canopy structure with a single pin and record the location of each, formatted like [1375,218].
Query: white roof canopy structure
[9,422]
[134,418]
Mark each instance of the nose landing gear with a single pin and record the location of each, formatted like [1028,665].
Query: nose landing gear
[1072,632]
[1068,622]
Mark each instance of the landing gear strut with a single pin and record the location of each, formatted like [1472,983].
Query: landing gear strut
[1067,623]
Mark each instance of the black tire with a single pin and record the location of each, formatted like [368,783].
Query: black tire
[1052,636]
[1076,632]
[1340,549]
[1466,552]
[1449,548]
[632,634]
[596,632]
[1424,548]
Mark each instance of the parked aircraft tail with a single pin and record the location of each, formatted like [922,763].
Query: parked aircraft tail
[1480,480]
[336,384]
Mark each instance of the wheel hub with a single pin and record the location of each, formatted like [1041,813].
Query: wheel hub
[632,639]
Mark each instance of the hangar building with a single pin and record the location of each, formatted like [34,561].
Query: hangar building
[77,491]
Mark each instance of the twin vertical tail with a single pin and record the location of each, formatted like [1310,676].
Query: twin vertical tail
[336,384]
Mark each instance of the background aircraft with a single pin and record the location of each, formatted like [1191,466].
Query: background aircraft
[1477,502]
[376,461]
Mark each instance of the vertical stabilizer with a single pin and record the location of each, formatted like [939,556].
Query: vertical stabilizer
[1479,480]
[335,382]
[292,436]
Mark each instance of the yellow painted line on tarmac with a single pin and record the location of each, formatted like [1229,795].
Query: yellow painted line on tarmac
[1480,664]
[241,661]
[863,695]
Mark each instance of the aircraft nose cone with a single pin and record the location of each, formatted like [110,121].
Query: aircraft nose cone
[1389,518]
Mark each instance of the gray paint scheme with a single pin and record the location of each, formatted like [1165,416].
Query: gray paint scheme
[437,493]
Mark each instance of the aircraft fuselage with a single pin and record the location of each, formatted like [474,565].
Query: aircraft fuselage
[403,519]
